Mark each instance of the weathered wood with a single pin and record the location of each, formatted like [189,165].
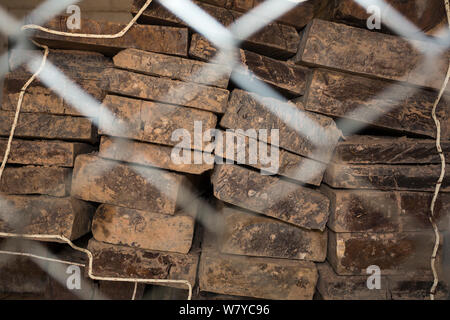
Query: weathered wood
[378,211]
[125,262]
[275,40]
[45,153]
[394,253]
[289,164]
[250,111]
[250,235]
[256,277]
[110,182]
[161,39]
[177,68]
[167,90]
[46,215]
[416,286]
[286,77]
[153,122]
[270,196]
[52,181]
[113,290]
[369,53]
[389,150]
[148,154]
[334,287]
[385,177]
[152,231]
[44,126]
[375,102]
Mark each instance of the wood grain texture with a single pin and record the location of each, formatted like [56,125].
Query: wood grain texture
[270,196]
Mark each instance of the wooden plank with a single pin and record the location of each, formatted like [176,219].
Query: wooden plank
[52,181]
[375,102]
[250,111]
[166,90]
[369,53]
[288,164]
[286,77]
[389,150]
[110,182]
[334,287]
[112,290]
[270,196]
[44,153]
[148,154]
[378,211]
[416,286]
[154,122]
[257,277]
[385,177]
[68,217]
[247,234]
[161,39]
[177,68]
[394,253]
[152,231]
[125,262]
[44,126]
[275,40]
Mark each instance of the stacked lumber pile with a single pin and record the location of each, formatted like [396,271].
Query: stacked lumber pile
[305,220]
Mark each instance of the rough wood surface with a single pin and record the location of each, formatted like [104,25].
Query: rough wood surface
[290,164]
[161,39]
[166,90]
[334,287]
[250,235]
[52,181]
[375,102]
[45,153]
[369,53]
[125,262]
[247,111]
[275,40]
[394,253]
[110,182]
[257,277]
[147,154]
[152,231]
[44,126]
[385,177]
[270,196]
[177,68]
[46,215]
[416,286]
[389,150]
[153,122]
[378,211]
[112,290]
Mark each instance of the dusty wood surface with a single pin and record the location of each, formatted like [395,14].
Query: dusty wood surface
[385,177]
[250,111]
[52,181]
[44,126]
[378,211]
[369,53]
[257,277]
[125,262]
[275,40]
[161,39]
[375,102]
[46,215]
[166,90]
[153,122]
[247,234]
[270,196]
[115,183]
[156,64]
[148,154]
[153,231]
[45,153]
